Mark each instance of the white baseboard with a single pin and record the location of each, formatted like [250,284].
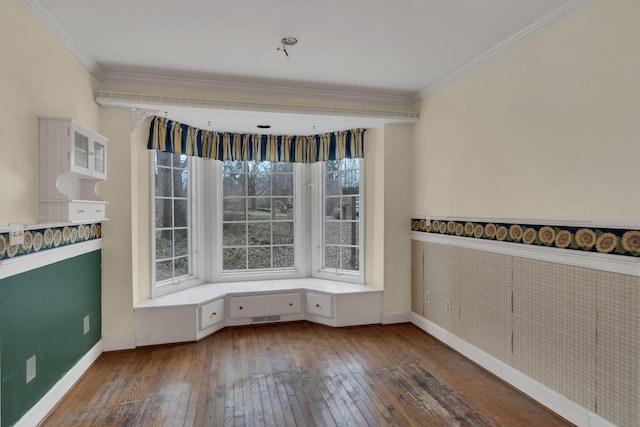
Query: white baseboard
[127,342]
[553,400]
[40,410]
[396,317]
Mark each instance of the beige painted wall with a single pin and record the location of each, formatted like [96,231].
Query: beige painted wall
[397,242]
[374,207]
[117,253]
[547,130]
[38,77]
[387,200]
[141,213]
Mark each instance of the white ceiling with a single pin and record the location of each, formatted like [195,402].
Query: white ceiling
[381,49]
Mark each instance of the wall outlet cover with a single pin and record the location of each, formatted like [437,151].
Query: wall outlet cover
[85,324]
[16,234]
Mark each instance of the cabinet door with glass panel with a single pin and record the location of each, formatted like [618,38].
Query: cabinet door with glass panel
[88,152]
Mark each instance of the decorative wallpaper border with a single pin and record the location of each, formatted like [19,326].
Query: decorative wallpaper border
[43,239]
[599,240]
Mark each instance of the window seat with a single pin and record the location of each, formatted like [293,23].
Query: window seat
[192,314]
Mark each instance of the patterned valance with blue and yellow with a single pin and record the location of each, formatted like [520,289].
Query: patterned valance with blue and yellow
[173,137]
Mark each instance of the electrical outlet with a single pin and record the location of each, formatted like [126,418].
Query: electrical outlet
[447,306]
[427,297]
[16,234]
[31,368]
[85,324]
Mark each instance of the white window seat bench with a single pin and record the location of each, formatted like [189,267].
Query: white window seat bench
[194,313]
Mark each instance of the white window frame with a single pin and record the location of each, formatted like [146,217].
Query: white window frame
[317,231]
[196,245]
[299,226]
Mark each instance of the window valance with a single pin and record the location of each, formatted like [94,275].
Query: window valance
[173,137]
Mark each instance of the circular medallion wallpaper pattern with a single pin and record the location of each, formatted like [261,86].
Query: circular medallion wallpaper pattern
[48,238]
[601,240]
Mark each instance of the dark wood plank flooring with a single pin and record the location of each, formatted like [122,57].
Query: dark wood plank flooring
[296,374]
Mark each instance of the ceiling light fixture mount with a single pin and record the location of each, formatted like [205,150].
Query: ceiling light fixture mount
[287,44]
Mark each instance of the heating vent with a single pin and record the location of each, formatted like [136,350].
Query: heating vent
[265,319]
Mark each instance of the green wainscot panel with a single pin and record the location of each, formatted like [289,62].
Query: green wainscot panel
[42,314]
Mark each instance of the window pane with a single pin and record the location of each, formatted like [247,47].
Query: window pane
[259,233]
[350,258]
[283,257]
[283,233]
[332,185]
[259,208]
[234,234]
[350,164]
[234,210]
[332,233]
[180,183]
[234,184]
[283,208]
[164,270]
[180,160]
[332,165]
[282,185]
[259,184]
[350,234]
[164,213]
[181,267]
[257,167]
[163,159]
[259,258]
[350,182]
[164,244]
[350,207]
[332,208]
[282,167]
[163,182]
[233,166]
[234,259]
[332,257]
[181,246]
[180,213]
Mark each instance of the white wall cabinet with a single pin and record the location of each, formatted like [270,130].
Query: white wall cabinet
[73,160]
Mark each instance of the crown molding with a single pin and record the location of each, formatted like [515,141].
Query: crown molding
[497,50]
[346,94]
[63,36]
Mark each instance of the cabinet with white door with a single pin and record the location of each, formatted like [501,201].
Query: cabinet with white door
[73,160]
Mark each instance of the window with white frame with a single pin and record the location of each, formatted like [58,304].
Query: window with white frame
[172,239]
[338,234]
[258,216]
[257,220]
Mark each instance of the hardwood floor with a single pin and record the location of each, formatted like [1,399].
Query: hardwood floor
[296,374]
